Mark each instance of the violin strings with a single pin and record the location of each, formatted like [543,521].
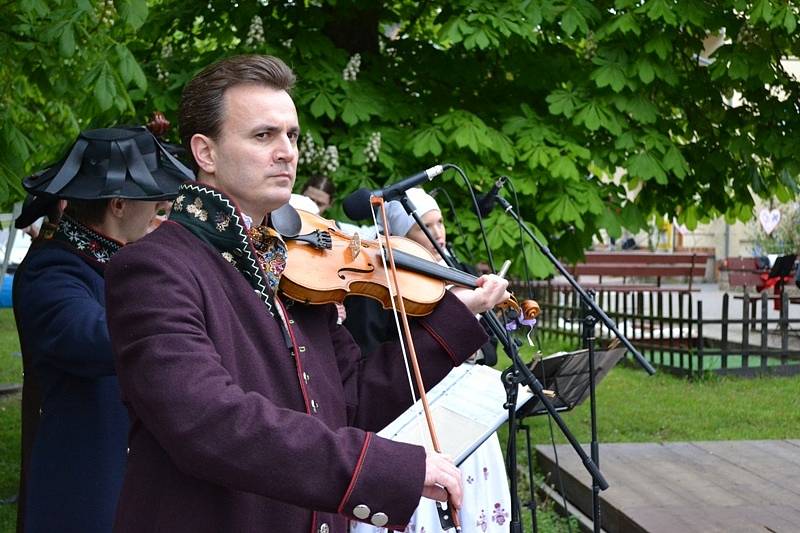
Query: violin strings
[397,322]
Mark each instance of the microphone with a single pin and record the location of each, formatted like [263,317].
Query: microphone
[357,205]
[487,201]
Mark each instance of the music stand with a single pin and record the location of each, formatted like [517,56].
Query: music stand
[567,375]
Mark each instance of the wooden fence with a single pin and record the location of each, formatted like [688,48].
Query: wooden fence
[670,328]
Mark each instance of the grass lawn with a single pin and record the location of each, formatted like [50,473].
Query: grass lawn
[10,372]
[632,407]
[635,407]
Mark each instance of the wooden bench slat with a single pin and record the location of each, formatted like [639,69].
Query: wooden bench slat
[647,258]
[640,270]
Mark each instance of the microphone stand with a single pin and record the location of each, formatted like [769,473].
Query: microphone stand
[519,374]
[592,314]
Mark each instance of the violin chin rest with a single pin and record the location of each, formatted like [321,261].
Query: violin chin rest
[286,221]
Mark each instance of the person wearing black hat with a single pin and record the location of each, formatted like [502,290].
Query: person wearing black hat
[117,183]
[250,412]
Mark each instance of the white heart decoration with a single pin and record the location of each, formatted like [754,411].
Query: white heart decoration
[769,219]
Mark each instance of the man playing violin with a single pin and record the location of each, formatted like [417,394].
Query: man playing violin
[250,412]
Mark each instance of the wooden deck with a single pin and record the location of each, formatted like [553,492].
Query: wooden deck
[721,486]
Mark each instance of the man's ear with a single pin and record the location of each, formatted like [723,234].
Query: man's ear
[116,206]
[203,152]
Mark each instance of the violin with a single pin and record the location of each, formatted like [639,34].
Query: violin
[326,265]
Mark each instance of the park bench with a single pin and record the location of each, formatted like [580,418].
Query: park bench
[642,265]
[746,273]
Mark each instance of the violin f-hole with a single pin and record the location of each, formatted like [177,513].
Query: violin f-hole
[360,270]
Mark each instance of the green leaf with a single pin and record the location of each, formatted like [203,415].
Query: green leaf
[562,209]
[645,70]
[37,7]
[674,161]
[738,69]
[539,156]
[564,167]
[643,165]
[632,218]
[610,221]
[17,142]
[610,74]
[128,67]
[133,12]
[789,21]
[661,9]
[660,45]
[595,115]
[66,41]
[427,141]
[466,136]
[641,109]
[627,23]
[322,105]
[562,102]
[571,20]
[105,89]
[762,9]
[589,116]
[690,218]
[455,30]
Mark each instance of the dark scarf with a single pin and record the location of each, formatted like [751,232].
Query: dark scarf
[258,253]
[95,246]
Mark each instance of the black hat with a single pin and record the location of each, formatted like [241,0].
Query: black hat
[122,162]
[34,208]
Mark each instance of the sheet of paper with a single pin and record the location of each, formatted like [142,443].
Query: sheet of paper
[466,406]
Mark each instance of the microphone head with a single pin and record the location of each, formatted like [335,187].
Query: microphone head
[357,205]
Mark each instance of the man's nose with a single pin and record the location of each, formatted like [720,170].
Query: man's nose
[286,149]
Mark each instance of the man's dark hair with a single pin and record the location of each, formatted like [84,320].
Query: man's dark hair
[88,212]
[202,102]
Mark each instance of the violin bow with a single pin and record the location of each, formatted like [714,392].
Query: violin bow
[449,518]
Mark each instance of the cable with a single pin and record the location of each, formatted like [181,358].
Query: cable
[528,283]
[439,190]
[477,212]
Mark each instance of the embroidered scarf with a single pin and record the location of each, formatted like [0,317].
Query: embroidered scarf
[257,253]
[87,241]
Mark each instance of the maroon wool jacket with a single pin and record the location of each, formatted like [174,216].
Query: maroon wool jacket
[230,432]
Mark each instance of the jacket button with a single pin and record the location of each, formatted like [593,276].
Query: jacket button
[301,349]
[379,519]
[361,511]
[314,406]
[324,528]
[306,377]
[291,321]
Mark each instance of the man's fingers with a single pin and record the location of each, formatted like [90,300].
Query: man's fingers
[442,478]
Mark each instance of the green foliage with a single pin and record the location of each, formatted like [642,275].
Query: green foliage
[549,92]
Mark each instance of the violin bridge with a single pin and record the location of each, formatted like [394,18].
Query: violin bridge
[355,245]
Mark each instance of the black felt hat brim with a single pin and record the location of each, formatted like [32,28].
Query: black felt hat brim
[33,209]
[112,163]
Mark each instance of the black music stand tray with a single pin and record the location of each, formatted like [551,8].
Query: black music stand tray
[567,375]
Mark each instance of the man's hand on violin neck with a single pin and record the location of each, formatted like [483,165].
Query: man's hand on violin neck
[442,478]
[490,292]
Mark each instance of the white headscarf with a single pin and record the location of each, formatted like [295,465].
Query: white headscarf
[299,201]
[423,202]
